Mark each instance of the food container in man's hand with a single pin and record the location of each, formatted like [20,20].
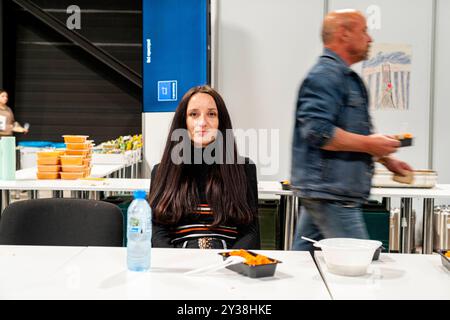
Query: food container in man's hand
[405,139]
[255,265]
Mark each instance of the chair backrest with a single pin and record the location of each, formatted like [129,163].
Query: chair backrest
[62,222]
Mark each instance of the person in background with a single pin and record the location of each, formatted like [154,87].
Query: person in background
[334,146]
[196,202]
[7,123]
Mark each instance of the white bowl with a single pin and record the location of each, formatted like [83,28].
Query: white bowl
[347,256]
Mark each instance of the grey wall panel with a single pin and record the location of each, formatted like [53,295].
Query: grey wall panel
[265,48]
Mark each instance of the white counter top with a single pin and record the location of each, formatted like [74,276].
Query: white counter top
[439,191]
[100,273]
[25,180]
[393,276]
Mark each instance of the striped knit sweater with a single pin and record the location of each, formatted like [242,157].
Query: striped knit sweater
[195,230]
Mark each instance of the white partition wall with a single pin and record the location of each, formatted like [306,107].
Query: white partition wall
[265,48]
[156,127]
[441,154]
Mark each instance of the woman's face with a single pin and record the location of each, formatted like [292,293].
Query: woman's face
[3,98]
[202,119]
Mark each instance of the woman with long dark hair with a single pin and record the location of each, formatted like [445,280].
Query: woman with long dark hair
[203,194]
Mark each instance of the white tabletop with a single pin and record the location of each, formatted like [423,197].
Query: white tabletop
[393,276]
[23,267]
[100,273]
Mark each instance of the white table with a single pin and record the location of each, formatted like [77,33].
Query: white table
[100,273]
[393,276]
[22,267]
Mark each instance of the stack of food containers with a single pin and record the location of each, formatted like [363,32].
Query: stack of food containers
[76,163]
[49,164]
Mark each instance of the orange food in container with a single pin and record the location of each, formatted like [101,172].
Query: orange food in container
[49,168]
[72,175]
[75,139]
[254,266]
[47,175]
[72,160]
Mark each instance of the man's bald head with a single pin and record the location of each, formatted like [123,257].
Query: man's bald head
[335,21]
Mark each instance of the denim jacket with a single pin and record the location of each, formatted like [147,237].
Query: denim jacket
[331,96]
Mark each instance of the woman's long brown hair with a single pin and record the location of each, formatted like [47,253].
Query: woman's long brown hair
[174,192]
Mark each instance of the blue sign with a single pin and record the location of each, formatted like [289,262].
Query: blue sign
[175,50]
[167,90]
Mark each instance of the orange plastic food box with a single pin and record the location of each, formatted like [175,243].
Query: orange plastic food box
[72,160]
[72,175]
[48,161]
[49,168]
[75,139]
[47,175]
[73,168]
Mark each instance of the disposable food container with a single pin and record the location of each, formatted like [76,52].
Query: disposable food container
[73,168]
[72,160]
[78,146]
[49,168]
[72,175]
[75,139]
[48,161]
[47,175]
[84,153]
[348,256]
[49,154]
[251,270]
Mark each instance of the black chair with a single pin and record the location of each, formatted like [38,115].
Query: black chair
[62,222]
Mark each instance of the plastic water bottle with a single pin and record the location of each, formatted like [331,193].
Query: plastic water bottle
[139,233]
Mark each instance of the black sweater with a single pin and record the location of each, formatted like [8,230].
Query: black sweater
[197,225]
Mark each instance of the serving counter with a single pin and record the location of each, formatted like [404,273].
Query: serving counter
[25,181]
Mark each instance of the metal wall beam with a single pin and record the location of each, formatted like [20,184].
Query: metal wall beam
[81,41]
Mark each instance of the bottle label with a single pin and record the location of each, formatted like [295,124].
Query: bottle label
[135,225]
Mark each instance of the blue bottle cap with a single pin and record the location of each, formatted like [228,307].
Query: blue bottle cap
[140,194]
